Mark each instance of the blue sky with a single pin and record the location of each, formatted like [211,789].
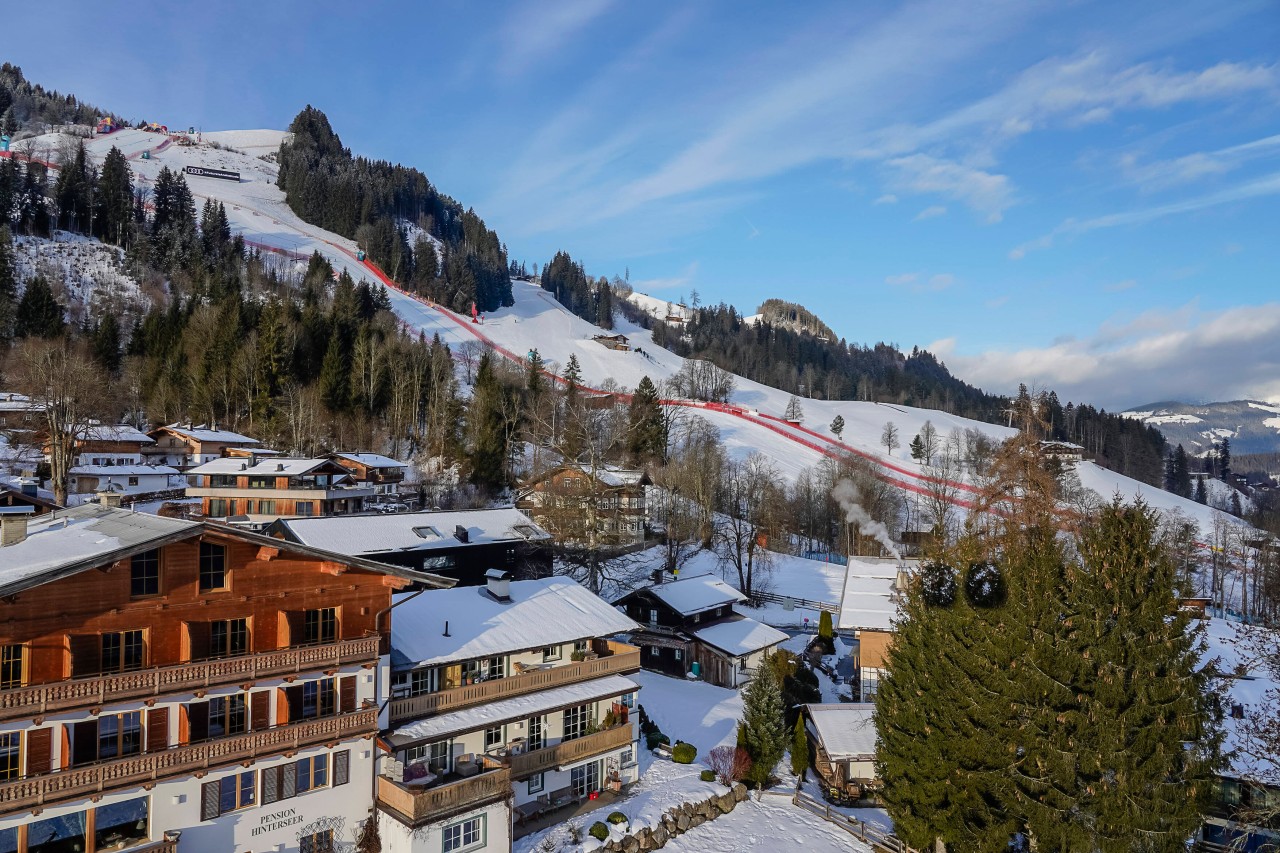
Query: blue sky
[1084,195]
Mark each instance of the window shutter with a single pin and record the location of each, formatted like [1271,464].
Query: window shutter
[197,721]
[260,709]
[210,798]
[86,650]
[346,693]
[293,695]
[157,729]
[289,778]
[39,750]
[296,621]
[84,743]
[270,785]
[197,640]
[341,767]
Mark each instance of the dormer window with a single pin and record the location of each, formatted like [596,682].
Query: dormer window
[428,533]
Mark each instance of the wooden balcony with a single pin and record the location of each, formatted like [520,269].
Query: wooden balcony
[540,760]
[422,806]
[27,702]
[156,847]
[183,760]
[622,658]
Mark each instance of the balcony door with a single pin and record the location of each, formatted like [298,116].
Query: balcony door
[537,732]
[585,779]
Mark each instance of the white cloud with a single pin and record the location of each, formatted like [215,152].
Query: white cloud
[537,31]
[1185,354]
[916,284]
[930,213]
[1162,174]
[887,198]
[683,279]
[1264,186]
[901,279]
[941,281]
[984,192]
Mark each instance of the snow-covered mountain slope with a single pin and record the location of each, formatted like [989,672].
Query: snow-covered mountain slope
[751,423]
[1251,425]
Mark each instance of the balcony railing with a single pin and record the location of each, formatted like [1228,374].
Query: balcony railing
[623,658]
[25,702]
[540,760]
[156,847]
[181,760]
[417,807]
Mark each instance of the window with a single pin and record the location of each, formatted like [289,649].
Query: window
[321,626]
[536,783]
[217,508]
[316,842]
[653,651]
[133,481]
[121,825]
[575,721]
[237,792]
[222,481]
[109,736]
[144,573]
[10,756]
[424,681]
[311,773]
[13,666]
[628,700]
[464,835]
[304,508]
[262,482]
[266,507]
[585,779]
[653,617]
[227,716]
[122,650]
[551,653]
[213,567]
[581,646]
[8,837]
[228,638]
[628,757]
[492,737]
[58,834]
[537,732]
[312,699]
[679,654]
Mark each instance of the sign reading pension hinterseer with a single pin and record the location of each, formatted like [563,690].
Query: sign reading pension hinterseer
[206,172]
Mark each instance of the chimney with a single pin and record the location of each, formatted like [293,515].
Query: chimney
[111,499]
[30,486]
[13,524]
[279,466]
[460,533]
[498,583]
[657,577]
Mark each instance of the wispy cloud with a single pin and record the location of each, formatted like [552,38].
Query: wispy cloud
[918,284]
[537,30]
[930,213]
[1163,174]
[901,279]
[1157,355]
[986,193]
[1264,186]
[887,198]
[683,279]
[1121,286]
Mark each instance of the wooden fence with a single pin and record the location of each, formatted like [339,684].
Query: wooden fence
[881,841]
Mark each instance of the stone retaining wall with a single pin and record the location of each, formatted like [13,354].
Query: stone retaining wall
[677,821]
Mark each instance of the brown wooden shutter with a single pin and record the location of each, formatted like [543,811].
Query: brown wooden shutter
[270,785]
[295,621]
[86,651]
[341,767]
[346,694]
[260,710]
[197,721]
[197,640]
[210,800]
[84,743]
[157,729]
[39,750]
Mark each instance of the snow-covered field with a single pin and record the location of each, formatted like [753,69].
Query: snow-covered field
[257,210]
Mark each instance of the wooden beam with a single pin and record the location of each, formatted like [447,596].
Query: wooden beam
[267,553]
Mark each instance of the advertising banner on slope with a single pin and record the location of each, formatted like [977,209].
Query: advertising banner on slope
[207,172]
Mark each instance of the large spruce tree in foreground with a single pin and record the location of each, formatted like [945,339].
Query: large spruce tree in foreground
[1074,711]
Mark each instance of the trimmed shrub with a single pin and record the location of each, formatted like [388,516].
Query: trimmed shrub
[616,817]
[984,584]
[707,775]
[599,830]
[684,753]
[938,585]
[655,737]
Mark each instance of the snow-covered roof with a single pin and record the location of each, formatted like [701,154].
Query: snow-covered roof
[204,433]
[868,601]
[847,731]
[688,596]
[517,708]
[274,466]
[613,476]
[541,613]
[740,636]
[412,531]
[13,402]
[122,470]
[117,433]
[66,541]
[372,460]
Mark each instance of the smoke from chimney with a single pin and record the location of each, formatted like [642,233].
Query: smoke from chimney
[846,494]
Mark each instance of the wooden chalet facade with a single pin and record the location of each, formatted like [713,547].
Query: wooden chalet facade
[590,507]
[842,750]
[257,491]
[171,685]
[614,342]
[185,446]
[689,626]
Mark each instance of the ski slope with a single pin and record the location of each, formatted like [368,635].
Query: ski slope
[751,422]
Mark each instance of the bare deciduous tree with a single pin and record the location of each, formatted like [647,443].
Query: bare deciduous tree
[751,504]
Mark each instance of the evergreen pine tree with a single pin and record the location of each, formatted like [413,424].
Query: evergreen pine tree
[799,748]
[1224,459]
[1181,473]
[1200,496]
[335,370]
[572,374]
[837,427]
[38,314]
[489,433]
[646,426]
[917,449]
[105,343]
[114,200]
[1236,509]
[8,283]
[763,728]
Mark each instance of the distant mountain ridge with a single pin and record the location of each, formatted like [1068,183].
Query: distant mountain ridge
[1253,426]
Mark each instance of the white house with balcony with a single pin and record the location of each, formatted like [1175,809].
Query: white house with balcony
[508,702]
